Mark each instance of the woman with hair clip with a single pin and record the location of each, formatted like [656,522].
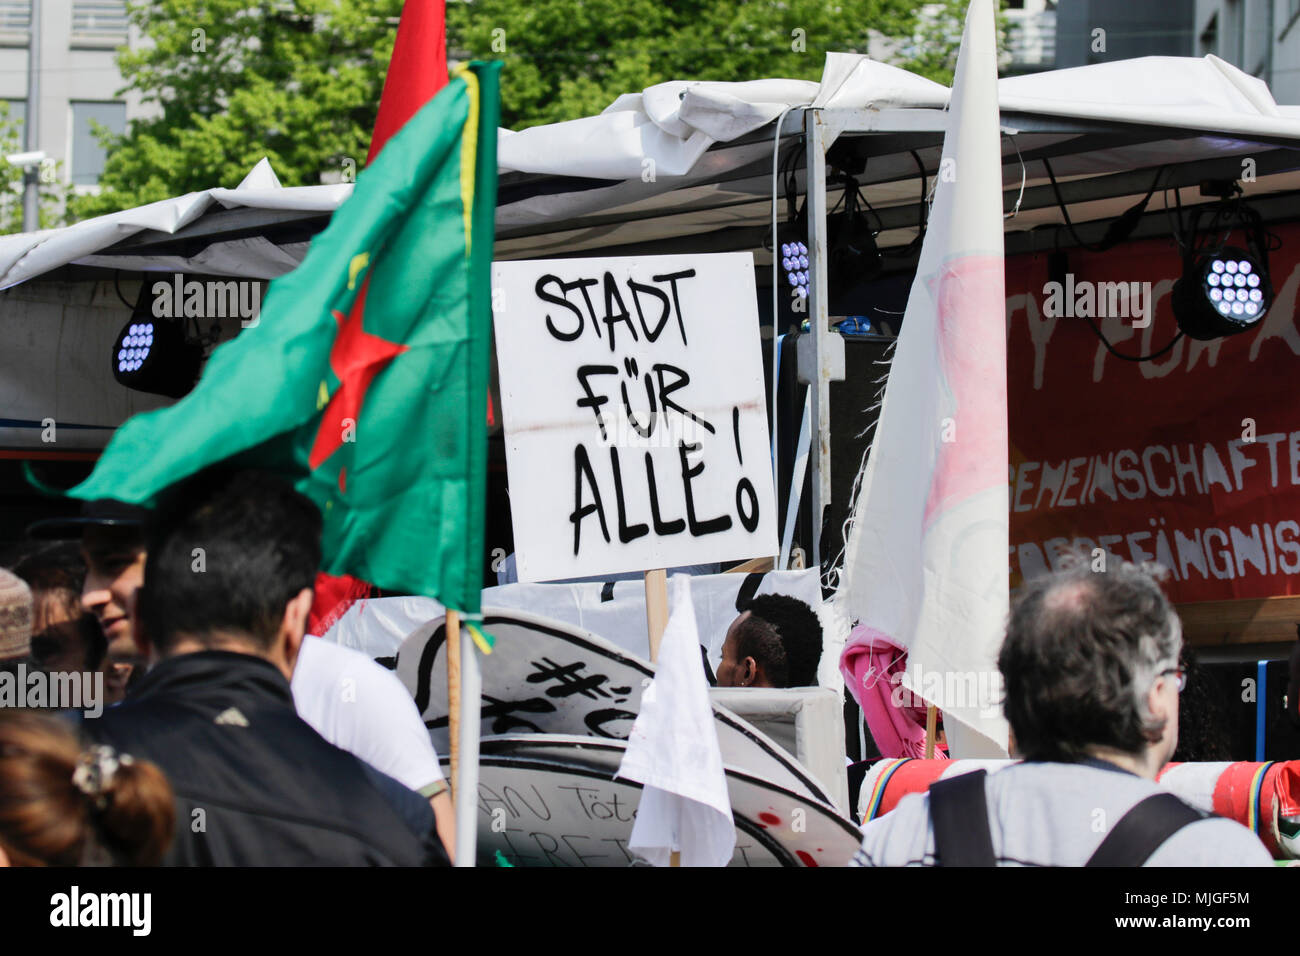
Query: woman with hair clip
[62,805]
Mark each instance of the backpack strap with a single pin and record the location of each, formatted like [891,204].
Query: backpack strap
[1143,830]
[960,816]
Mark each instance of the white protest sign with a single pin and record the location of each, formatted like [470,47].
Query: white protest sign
[635,414]
[547,677]
[552,800]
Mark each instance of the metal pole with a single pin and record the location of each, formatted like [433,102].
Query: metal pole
[819,321]
[31,126]
[466,780]
[1270,44]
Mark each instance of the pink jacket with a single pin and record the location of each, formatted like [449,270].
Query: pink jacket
[873,667]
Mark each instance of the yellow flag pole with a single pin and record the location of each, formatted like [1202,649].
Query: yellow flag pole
[453,698]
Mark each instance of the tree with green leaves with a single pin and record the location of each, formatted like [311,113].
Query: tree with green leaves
[231,81]
[565,59]
[299,81]
[11,177]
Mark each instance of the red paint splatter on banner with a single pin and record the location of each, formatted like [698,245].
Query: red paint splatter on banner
[970,334]
[770,818]
[806,857]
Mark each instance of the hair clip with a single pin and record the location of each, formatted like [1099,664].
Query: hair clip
[96,768]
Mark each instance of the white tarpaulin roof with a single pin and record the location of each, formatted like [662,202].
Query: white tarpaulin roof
[687,166]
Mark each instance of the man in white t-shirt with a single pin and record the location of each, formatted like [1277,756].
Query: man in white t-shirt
[1090,665]
[363,708]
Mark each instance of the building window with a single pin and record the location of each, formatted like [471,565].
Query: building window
[87,154]
[1210,37]
[99,23]
[15,22]
[1237,18]
[1289,18]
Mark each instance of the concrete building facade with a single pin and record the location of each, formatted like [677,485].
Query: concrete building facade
[1031,36]
[79,83]
[1100,31]
[1261,37]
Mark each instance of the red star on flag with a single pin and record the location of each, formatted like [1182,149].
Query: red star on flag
[356,358]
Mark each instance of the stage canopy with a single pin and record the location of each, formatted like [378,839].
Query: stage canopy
[688,167]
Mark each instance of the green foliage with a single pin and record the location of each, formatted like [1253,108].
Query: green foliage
[299,81]
[570,58]
[11,177]
[933,50]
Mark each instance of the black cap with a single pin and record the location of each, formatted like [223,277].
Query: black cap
[101,513]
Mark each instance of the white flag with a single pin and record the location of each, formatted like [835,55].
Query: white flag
[926,559]
[673,752]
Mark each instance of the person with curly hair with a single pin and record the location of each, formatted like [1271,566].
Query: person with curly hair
[775,642]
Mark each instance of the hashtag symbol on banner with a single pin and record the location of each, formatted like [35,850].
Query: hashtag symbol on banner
[569,680]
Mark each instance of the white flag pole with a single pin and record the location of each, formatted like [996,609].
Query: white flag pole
[466,773]
[796,482]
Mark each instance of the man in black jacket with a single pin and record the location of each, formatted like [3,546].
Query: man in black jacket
[228,585]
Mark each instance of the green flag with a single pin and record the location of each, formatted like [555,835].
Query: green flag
[365,379]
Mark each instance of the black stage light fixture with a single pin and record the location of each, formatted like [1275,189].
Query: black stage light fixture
[1224,289]
[854,256]
[1222,293]
[151,354]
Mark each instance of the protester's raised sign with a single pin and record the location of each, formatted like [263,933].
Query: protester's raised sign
[634,411]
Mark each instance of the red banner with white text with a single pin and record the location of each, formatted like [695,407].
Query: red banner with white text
[1191,459]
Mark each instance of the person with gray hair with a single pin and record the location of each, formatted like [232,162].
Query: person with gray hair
[1091,676]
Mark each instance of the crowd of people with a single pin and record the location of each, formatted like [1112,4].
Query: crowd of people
[252,742]
[229,736]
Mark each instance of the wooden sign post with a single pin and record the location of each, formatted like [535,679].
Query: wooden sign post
[656,614]
[656,609]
